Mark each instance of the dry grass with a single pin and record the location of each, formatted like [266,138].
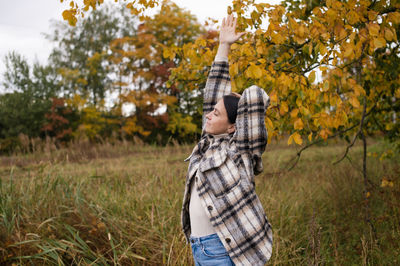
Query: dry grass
[120,204]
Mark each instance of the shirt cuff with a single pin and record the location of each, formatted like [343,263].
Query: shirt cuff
[221,58]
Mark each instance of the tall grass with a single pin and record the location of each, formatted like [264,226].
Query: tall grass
[120,205]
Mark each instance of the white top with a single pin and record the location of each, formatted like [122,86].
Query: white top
[199,222]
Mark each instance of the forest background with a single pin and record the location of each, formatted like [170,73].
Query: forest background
[329,70]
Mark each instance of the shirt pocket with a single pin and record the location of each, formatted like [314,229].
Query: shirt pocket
[220,172]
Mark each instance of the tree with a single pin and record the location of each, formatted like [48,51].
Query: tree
[144,72]
[349,42]
[136,8]
[81,53]
[355,47]
[58,121]
[22,109]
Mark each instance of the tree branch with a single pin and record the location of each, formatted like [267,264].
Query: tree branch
[357,134]
[298,154]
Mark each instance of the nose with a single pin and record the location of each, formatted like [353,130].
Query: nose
[208,115]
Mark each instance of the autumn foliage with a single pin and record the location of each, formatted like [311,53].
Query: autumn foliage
[331,68]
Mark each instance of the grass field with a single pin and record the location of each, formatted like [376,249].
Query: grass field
[120,204]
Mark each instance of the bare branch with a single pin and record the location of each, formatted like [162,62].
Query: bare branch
[357,134]
[298,154]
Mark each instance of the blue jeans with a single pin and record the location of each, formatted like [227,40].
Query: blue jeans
[209,251]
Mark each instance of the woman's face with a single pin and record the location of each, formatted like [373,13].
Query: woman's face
[217,120]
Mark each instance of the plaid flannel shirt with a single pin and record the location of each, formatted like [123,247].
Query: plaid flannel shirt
[226,167]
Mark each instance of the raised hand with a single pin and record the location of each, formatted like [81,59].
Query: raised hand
[227,34]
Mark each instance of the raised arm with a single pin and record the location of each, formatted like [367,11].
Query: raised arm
[218,82]
[251,135]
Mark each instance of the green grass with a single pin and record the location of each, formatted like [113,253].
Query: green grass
[121,205]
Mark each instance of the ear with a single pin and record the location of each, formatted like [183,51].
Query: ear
[231,128]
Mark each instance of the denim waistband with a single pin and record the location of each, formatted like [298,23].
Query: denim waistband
[194,239]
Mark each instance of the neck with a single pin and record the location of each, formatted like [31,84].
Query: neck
[220,135]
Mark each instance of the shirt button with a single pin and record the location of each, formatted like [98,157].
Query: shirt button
[228,240]
[210,208]
[192,240]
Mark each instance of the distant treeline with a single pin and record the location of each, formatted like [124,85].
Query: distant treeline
[105,78]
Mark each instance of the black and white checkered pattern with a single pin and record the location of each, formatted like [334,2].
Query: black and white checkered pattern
[226,167]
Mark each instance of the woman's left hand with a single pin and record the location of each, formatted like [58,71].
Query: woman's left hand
[227,34]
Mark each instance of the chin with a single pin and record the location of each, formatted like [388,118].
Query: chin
[209,132]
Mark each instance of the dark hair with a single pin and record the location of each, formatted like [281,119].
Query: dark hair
[231,105]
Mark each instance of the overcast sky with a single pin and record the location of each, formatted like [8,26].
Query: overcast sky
[22,23]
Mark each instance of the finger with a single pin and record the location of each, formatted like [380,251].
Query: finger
[230,20]
[240,34]
[234,23]
[223,22]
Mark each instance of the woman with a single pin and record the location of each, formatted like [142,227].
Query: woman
[222,217]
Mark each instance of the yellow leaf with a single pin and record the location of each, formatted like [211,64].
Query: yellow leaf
[66,14]
[354,102]
[311,77]
[274,98]
[294,113]
[389,34]
[262,61]
[283,108]
[358,90]
[326,98]
[394,17]
[298,124]
[269,122]
[325,86]
[322,49]
[292,24]
[277,38]
[257,72]
[373,29]
[235,69]
[290,140]
[385,182]
[368,194]
[324,133]
[305,111]
[254,71]
[310,137]
[299,102]
[323,69]
[372,15]
[234,46]
[397,93]
[352,17]
[296,138]
[388,126]
[348,51]
[331,14]
[379,42]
